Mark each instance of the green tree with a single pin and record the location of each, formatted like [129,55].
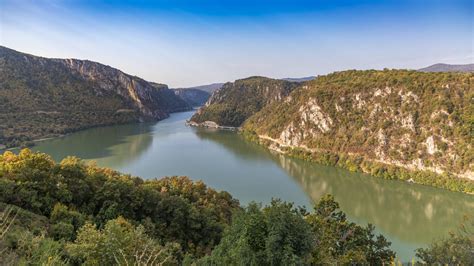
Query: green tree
[274,235]
[457,249]
[340,241]
[120,243]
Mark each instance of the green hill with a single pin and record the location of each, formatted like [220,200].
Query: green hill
[236,101]
[393,123]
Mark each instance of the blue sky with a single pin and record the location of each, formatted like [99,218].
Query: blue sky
[187,43]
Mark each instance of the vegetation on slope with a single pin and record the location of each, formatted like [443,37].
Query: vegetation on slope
[71,213]
[41,97]
[456,249]
[392,123]
[77,213]
[236,101]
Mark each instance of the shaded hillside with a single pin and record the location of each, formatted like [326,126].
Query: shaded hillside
[236,101]
[41,97]
[193,97]
[448,68]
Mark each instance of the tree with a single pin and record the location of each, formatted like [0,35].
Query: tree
[457,249]
[120,243]
[339,241]
[274,235]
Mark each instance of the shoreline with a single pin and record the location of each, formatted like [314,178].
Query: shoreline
[211,124]
[35,141]
[392,171]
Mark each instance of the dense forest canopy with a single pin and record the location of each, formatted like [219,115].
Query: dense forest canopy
[76,213]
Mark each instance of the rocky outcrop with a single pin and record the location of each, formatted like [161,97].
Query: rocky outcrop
[153,100]
[42,97]
[417,121]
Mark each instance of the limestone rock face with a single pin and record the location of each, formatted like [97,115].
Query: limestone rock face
[403,118]
[43,97]
[149,98]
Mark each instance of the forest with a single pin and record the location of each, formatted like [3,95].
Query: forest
[76,213]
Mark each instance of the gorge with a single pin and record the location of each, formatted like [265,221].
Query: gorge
[409,215]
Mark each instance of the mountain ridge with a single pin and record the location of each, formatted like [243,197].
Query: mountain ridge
[45,97]
[441,67]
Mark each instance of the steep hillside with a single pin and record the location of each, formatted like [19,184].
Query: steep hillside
[368,120]
[236,101]
[193,97]
[448,68]
[41,97]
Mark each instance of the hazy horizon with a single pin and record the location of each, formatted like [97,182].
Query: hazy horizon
[191,43]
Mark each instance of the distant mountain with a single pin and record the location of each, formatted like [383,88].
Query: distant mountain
[210,88]
[299,79]
[193,97]
[42,97]
[448,68]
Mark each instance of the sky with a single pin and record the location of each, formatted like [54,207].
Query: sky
[189,43]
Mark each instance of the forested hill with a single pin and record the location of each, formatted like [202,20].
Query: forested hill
[236,101]
[41,97]
[393,123]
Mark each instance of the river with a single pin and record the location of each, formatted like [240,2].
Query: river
[409,215]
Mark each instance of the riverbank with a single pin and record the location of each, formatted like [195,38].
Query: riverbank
[355,163]
[211,124]
[33,142]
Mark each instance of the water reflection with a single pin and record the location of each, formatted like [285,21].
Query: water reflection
[413,213]
[112,146]
[235,143]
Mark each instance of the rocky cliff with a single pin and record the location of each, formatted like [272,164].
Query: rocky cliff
[153,100]
[42,97]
